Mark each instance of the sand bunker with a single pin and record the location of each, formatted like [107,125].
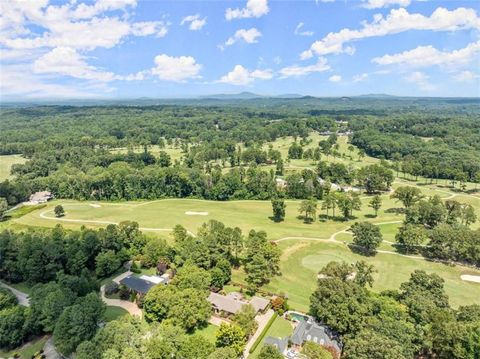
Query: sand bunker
[94,205]
[189,213]
[471,278]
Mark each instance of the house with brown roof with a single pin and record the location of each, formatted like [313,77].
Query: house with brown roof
[231,303]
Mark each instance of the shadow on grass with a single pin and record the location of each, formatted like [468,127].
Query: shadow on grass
[361,250]
[399,210]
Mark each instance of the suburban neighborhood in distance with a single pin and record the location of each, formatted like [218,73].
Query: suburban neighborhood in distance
[233,179]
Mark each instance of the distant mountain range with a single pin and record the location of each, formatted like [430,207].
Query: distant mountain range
[246,96]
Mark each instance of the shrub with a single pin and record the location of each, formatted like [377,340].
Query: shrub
[111,288]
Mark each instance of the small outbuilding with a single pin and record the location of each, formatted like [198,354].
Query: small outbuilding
[41,197]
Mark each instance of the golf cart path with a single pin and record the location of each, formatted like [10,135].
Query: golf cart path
[44,215]
[21,296]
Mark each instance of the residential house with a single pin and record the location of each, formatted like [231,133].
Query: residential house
[40,197]
[142,284]
[231,303]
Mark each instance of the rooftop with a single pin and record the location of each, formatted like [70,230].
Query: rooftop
[137,284]
[308,330]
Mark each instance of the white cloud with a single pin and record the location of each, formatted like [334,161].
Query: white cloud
[253,8]
[302,33]
[241,76]
[424,56]
[360,77]
[375,4]
[421,80]
[66,61]
[397,21]
[177,69]
[466,76]
[196,23]
[335,78]
[19,81]
[250,36]
[74,25]
[146,28]
[296,70]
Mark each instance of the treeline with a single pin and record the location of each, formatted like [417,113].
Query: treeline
[123,181]
[414,321]
[59,127]
[438,229]
[434,146]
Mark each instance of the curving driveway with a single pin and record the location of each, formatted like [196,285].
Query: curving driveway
[130,307]
[21,297]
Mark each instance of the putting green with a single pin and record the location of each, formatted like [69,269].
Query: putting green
[301,261]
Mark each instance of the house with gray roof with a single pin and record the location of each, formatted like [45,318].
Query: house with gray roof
[142,284]
[309,330]
[306,330]
[280,343]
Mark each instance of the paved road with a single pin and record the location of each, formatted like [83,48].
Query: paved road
[49,350]
[262,320]
[22,297]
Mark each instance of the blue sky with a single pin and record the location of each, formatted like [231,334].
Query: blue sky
[133,48]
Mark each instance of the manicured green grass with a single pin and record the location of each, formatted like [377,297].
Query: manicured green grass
[113,313]
[301,261]
[162,215]
[6,163]
[27,350]
[209,332]
[279,329]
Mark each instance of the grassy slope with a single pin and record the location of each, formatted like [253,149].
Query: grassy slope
[6,163]
[27,350]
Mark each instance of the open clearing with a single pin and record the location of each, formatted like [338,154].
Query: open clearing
[6,163]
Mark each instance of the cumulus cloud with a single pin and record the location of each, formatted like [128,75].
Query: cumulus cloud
[297,70]
[375,4]
[298,30]
[195,22]
[177,69]
[421,80]
[74,25]
[397,21]
[335,78]
[253,8]
[423,56]
[466,76]
[249,36]
[66,61]
[360,77]
[241,76]
[19,80]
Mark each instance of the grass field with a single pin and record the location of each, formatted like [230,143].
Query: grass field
[209,332]
[279,329]
[6,163]
[302,259]
[113,313]
[26,351]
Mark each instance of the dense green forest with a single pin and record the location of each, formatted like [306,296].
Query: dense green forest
[71,150]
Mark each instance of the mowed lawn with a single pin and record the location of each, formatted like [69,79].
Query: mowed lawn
[6,163]
[302,259]
[162,215]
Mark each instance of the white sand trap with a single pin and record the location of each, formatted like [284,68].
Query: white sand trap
[189,213]
[94,205]
[471,278]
